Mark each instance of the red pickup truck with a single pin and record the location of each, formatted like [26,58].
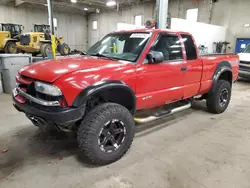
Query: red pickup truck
[103,93]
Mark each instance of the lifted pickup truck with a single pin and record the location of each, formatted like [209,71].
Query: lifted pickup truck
[103,93]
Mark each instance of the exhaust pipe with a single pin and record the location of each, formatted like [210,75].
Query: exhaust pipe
[37,121]
[152,118]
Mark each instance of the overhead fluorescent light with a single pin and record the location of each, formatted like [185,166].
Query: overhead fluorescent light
[86,9]
[97,10]
[111,3]
[73,1]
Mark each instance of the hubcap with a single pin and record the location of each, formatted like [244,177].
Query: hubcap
[112,136]
[223,97]
[12,49]
[66,50]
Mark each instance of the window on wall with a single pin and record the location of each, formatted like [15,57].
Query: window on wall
[94,25]
[138,20]
[192,14]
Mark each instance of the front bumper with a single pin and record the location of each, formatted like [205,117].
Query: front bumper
[50,114]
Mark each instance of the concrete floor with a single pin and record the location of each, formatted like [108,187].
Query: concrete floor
[192,149]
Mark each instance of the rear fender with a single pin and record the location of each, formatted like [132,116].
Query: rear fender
[104,86]
[221,68]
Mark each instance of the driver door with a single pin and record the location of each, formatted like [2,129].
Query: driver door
[162,83]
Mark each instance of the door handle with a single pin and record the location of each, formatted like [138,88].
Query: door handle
[184,68]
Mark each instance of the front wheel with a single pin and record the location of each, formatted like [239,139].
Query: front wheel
[219,100]
[10,48]
[106,133]
[46,49]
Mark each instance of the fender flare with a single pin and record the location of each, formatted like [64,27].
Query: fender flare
[93,89]
[9,40]
[222,67]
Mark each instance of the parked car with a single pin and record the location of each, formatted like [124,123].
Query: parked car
[103,93]
[244,69]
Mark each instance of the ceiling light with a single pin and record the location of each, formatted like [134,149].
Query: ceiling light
[73,1]
[97,10]
[86,9]
[111,3]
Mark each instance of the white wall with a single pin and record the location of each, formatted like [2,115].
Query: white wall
[73,27]
[204,34]
[107,21]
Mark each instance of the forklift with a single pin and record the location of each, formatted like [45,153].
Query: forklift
[9,35]
[39,42]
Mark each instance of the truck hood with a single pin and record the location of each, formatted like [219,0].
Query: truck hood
[51,70]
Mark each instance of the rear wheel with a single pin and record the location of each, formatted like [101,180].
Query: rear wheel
[45,50]
[64,49]
[106,133]
[219,100]
[10,48]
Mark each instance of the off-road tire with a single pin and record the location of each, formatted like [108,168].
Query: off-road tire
[91,126]
[45,48]
[8,47]
[213,100]
[64,49]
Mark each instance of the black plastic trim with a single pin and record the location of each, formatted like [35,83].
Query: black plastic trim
[83,96]
[215,54]
[63,116]
[222,67]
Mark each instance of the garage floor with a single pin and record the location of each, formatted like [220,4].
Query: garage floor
[192,149]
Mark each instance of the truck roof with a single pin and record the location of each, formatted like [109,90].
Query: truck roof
[152,30]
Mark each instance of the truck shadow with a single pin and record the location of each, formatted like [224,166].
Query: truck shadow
[32,146]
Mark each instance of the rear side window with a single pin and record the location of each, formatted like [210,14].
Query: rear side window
[190,47]
[170,46]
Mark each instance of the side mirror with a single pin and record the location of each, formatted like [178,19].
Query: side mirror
[155,57]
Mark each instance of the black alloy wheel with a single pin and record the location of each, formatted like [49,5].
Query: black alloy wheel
[112,135]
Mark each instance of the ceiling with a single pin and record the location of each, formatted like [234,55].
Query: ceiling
[79,7]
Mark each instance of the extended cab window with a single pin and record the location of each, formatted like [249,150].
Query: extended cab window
[170,46]
[189,47]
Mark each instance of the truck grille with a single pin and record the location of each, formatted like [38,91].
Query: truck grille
[25,39]
[245,66]
[28,85]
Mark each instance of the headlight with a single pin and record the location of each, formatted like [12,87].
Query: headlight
[47,89]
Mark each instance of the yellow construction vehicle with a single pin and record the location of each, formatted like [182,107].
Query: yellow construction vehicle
[39,42]
[9,36]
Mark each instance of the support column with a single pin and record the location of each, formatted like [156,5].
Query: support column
[162,13]
[51,23]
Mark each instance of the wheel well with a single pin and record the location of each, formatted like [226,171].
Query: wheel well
[9,41]
[227,75]
[116,95]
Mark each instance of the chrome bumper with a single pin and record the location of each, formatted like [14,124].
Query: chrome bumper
[33,99]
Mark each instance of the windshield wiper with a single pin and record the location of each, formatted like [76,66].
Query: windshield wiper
[104,56]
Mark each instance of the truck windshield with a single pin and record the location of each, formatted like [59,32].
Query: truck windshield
[121,46]
[247,49]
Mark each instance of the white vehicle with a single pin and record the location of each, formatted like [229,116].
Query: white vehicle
[244,70]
